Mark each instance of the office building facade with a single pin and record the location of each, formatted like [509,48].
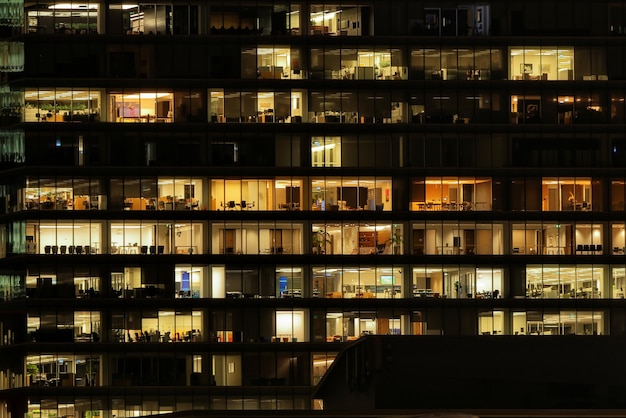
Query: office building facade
[203,202]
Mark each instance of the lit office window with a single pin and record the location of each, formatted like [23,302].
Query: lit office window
[618,193]
[457,238]
[62,105]
[337,20]
[541,63]
[578,322]
[451,194]
[357,282]
[347,193]
[272,62]
[63,18]
[61,369]
[618,282]
[326,151]
[44,283]
[566,282]
[321,363]
[256,106]
[618,239]
[190,280]
[288,282]
[63,237]
[557,238]
[491,323]
[456,64]
[564,194]
[142,107]
[256,238]
[463,282]
[62,194]
[365,238]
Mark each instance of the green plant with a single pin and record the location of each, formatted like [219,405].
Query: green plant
[32,369]
[395,239]
[320,239]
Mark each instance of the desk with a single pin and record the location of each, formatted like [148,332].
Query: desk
[449,250]
[185,249]
[128,249]
[266,118]
[554,250]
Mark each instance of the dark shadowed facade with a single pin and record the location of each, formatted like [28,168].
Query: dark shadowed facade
[476,374]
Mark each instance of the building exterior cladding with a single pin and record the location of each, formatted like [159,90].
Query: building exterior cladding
[203,202]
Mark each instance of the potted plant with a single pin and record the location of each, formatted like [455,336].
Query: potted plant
[32,370]
[395,241]
[321,238]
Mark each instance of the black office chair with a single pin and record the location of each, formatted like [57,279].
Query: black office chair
[144,249]
[599,248]
[579,248]
[63,249]
[586,248]
[47,249]
[231,205]
[592,248]
[79,249]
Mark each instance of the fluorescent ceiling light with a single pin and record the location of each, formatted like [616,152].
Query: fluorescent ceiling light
[74,6]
